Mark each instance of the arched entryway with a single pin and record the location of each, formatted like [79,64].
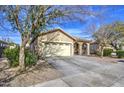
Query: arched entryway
[82,48]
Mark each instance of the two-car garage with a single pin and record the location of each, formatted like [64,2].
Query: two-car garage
[55,43]
[58,49]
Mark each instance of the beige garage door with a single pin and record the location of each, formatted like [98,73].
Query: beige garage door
[58,49]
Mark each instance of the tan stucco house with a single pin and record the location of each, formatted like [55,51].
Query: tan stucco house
[59,43]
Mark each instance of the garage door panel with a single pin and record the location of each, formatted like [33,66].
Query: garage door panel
[57,49]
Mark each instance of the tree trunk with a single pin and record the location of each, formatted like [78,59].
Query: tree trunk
[22,58]
[102,50]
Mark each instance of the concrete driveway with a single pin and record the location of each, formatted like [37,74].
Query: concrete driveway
[82,71]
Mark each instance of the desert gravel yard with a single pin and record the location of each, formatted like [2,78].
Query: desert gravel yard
[83,71]
[11,77]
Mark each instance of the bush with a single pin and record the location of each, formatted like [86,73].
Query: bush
[12,55]
[30,58]
[120,53]
[107,52]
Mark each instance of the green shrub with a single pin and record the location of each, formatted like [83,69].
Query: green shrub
[30,58]
[120,53]
[107,52]
[12,55]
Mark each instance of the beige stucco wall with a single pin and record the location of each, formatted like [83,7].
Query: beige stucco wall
[59,42]
[55,37]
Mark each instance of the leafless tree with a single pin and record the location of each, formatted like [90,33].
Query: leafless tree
[102,38]
[106,36]
[29,21]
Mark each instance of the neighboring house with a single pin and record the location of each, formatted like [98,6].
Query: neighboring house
[95,47]
[58,43]
[3,45]
[13,45]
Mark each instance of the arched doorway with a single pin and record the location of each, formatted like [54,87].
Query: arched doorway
[81,48]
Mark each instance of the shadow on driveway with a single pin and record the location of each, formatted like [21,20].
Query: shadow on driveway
[120,61]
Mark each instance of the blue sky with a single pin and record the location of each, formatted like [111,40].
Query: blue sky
[109,14]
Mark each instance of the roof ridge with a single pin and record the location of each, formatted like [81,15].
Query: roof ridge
[71,36]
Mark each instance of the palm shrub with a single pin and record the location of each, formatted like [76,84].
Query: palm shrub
[120,53]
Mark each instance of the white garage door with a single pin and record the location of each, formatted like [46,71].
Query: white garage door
[58,49]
